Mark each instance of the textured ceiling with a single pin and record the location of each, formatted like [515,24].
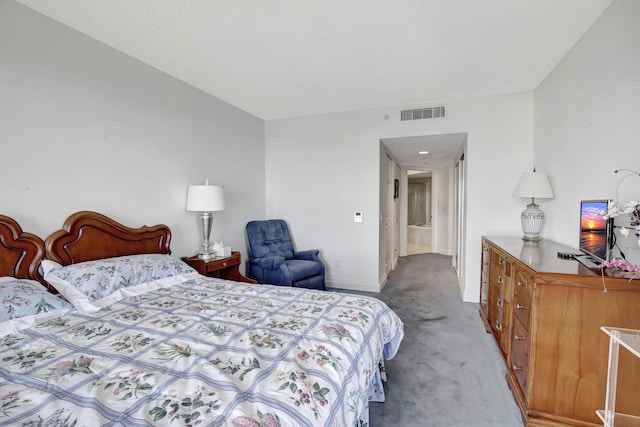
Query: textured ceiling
[287,58]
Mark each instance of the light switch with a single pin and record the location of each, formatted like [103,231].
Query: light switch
[357,216]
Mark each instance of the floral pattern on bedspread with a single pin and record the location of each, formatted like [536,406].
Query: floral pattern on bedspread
[203,352]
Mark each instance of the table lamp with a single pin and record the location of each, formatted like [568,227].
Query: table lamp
[533,184]
[206,199]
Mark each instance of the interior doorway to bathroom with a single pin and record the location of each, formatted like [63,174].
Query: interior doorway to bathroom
[419,212]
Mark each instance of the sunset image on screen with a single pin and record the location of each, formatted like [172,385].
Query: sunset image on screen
[593,229]
[591,218]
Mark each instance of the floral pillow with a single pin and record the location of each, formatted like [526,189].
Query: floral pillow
[23,299]
[92,285]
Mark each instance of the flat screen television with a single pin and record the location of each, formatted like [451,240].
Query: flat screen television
[595,231]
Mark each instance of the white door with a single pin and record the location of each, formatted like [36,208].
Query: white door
[459,217]
[396,214]
[388,220]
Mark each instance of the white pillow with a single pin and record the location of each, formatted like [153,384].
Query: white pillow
[23,301]
[92,285]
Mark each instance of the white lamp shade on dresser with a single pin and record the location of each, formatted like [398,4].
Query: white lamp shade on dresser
[535,185]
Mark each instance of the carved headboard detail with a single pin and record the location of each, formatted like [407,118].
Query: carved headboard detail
[20,252]
[87,236]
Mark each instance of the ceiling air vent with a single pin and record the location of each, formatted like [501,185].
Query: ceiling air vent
[422,113]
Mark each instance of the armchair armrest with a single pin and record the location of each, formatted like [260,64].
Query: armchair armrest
[268,263]
[311,255]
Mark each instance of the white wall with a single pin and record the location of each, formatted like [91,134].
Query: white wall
[322,168]
[587,121]
[83,126]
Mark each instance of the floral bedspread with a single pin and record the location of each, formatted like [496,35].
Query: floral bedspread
[204,352]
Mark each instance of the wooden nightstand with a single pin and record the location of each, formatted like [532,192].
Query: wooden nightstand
[221,267]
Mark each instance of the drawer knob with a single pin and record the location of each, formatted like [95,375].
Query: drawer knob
[501,261]
[516,368]
[499,302]
[521,307]
[224,264]
[518,337]
[520,283]
[498,325]
[500,280]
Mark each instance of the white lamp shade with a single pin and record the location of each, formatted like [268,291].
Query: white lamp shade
[205,198]
[534,184]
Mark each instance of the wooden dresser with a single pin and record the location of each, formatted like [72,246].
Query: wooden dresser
[545,314]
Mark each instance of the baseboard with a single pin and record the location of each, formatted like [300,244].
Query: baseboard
[469,296]
[351,285]
[383,281]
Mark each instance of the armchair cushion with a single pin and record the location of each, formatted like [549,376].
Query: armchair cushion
[311,255]
[274,260]
[269,238]
[270,262]
[302,269]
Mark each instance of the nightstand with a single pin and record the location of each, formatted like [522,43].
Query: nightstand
[221,267]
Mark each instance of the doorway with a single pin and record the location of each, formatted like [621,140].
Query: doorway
[419,213]
[438,155]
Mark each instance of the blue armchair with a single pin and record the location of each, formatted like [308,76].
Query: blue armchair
[274,260]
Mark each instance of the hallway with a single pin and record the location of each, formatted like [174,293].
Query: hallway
[418,239]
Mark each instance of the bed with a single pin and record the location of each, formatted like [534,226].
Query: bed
[24,295]
[149,341]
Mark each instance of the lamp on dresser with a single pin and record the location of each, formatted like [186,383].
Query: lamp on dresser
[533,185]
[206,199]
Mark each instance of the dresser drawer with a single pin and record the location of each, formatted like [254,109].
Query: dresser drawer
[499,261]
[520,354]
[223,263]
[524,278]
[522,297]
[501,324]
[497,317]
[500,283]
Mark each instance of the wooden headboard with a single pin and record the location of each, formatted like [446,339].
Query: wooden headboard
[20,252]
[87,236]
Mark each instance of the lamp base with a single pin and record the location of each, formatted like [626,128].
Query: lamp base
[207,256]
[206,252]
[532,218]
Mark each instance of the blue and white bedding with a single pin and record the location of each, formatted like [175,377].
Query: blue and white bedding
[202,352]
[25,301]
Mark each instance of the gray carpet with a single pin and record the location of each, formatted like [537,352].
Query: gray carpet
[448,371]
